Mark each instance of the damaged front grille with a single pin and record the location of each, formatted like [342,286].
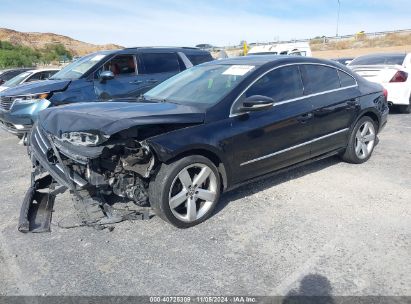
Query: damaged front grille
[6,103]
[43,152]
[121,167]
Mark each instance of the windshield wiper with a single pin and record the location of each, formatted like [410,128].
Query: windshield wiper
[164,100]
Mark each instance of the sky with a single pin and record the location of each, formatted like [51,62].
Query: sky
[190,22]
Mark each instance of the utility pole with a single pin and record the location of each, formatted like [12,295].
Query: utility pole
[338,16]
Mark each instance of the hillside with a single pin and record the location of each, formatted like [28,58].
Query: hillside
[41,40]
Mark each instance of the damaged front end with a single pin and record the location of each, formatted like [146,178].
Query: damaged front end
[97,173]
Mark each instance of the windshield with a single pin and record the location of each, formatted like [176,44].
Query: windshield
[16,80]
[379,60]
[204,84]
[79,67]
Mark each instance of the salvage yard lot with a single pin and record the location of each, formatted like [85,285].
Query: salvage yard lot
[346,229]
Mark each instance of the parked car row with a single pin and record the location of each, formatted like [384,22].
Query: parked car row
[173,129]
[8,74]
[28,76]
[99,76]
[391,71]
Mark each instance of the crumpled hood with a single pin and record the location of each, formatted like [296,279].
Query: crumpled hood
[112,117]
[37,87]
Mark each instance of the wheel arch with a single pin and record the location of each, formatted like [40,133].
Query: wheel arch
[203,151]
[213,157]
[370,113]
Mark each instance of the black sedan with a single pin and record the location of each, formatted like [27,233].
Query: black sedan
[210,129]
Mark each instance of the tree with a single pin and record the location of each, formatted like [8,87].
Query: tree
[20,56]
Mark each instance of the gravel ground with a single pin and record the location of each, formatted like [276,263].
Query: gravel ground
[326,228]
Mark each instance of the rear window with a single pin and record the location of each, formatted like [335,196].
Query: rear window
[379,60]
[318,78]
[10,74]
[160,63]
[199,59]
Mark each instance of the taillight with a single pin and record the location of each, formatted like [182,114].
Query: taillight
[385,92]
[400,76]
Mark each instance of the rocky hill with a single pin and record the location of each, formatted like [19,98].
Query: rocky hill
[41,40]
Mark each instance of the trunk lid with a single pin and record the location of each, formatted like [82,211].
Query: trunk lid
[377,73]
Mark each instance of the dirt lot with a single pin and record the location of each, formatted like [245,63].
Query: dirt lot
[327,228]
[354,52]
[350,52]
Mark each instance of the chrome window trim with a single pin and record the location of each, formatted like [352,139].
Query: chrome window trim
[293,147]
[294,99]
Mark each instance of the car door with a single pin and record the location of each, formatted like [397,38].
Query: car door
[334,95]
[157,67]
[125,82]
[267,140]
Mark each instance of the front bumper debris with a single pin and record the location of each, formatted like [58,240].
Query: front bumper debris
[36,210]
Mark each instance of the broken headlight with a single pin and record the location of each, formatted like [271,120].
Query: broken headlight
[88,139]
[29,98]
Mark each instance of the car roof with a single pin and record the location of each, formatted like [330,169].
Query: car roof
[43,70]
[343,58]
[185,50]
[154,49]
[16,69]
[382,55]
[260,60]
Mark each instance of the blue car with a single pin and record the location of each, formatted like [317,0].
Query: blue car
[99,76]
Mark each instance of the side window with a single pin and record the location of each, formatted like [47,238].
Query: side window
[318,78]
[122,65]
[160,63]
[50,73]
[44,75]
[35,77]
[281,84]
[199,59]
[345,79]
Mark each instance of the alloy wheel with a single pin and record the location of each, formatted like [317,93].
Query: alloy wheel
[193,192]
[365,140]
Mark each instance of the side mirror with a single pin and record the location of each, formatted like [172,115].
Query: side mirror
[257,103]
[106,75]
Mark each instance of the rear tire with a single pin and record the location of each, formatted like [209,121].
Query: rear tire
[362,141]
[185,192]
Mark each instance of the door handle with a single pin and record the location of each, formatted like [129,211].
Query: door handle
[353,102]
[306,117]
[152,81]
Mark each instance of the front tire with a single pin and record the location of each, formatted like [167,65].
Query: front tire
[185,192]
[362,141]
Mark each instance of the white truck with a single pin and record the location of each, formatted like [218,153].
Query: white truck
[292,49]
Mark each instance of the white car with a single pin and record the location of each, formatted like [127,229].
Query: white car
[391,71]
[28,76]
[291,49]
